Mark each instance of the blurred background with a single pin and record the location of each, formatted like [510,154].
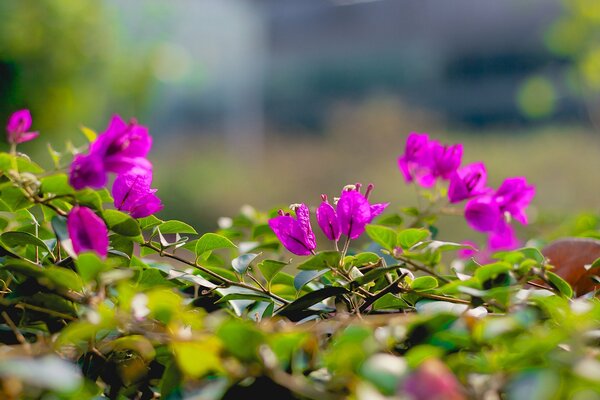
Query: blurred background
[272,102]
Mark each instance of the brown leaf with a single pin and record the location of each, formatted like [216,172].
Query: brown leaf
[569,257]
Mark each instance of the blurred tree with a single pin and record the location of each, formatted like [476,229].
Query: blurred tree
[66,62]
[576,37]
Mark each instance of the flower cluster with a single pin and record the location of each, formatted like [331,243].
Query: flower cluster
[351,214]
[487,210]
[18,127]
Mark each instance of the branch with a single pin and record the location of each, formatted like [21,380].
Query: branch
[207,271]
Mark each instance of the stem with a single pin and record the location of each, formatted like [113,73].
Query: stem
[207,271]
[422,268]
[388,289]
[18,335]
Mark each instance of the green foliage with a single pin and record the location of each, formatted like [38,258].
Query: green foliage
[167,312]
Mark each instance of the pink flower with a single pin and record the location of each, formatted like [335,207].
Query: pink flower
[119,149]
[132,193]
[425,160]
[352,213]
[468,182]
[295,234]
[18,126]
[87,231]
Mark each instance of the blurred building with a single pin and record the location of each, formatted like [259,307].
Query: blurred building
[237,66]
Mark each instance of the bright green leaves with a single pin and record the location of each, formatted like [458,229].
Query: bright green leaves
[199,357]
[174,227]
[423,283]
[559,284]
[389,238]
[56,185]
[382,235]
[89,265]
[324,259]
[410,237]
[270,268]
[211,241]
[240,264]
[122,224]
[16,239]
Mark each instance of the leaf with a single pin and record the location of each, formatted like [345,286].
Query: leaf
[89,266]
[270,268]
[240,264]
[595,264]
[304,277]
[423,283]
[14,239]
[489,274]
[195,279]
[244,296]
[14,199]
[57,185]
[176,227]
[409,237]
[310,299]
[89,198]
[389,301]
[212,241]
[89,134]
[324,259]
[560,284]
[382,235]
[64,277]
[361,259]
[390,220]
[372,275]
[149,222]
[121,223]
[197,358]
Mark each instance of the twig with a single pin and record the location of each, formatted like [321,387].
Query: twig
[423,268]
[17,333]
[388,289]
[207,271]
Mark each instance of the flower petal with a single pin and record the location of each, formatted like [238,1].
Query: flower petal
[87,231]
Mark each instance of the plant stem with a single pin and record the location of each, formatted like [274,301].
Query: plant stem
[207,271]
[423,268]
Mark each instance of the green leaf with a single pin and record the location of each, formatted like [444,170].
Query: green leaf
[595,264]
[409,237]
[559,284]
[212,241]
[149,222]
[14,199]
[310,299]
[89,265]
[372,275]
[244,296]
[57,185]
[197,358]
[121,223]
[89,198]
[361,259]
[390,220]
[14,239]
[423,283]
[492,275]
[24,164]
[304,277]
[324,259]
[389,302]
[64,277]
[176,227]
[240,264]
[89,134]
[270,268]
[382,235]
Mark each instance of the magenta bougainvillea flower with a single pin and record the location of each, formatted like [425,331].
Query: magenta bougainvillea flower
[328,220]
[432,380]
[295,234]
[417,162]
[513,196]
[119,149]
[446,159]
[483,213]
[18,127]
[468,182]
[87,231]
[425,160]
[132,193]
[352,213]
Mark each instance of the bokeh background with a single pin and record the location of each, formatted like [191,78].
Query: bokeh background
[272,102]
